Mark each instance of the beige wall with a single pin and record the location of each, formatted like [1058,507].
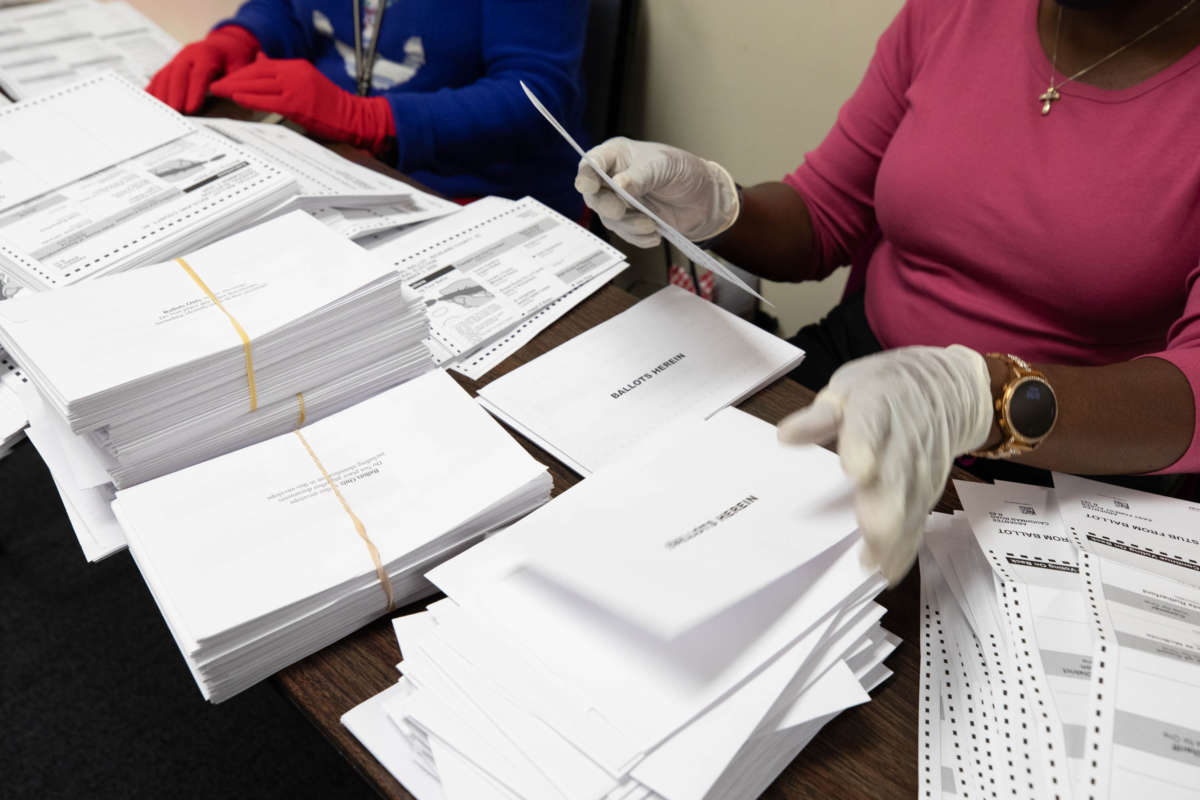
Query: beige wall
[753,85]
[186,20]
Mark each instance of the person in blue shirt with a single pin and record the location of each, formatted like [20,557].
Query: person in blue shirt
[442,100]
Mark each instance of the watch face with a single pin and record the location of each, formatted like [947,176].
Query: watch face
[1032,408]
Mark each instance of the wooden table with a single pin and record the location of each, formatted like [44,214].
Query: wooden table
[868,752]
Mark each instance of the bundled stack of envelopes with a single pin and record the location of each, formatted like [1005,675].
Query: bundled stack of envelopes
[185,360]
[1061,638]
[288,545]
[682,637]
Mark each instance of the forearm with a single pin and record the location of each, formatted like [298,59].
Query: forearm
[773,236]
[1126,418]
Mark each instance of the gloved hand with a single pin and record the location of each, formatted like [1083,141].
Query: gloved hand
[696,197]
[183,82]
[900,418]
[297,90]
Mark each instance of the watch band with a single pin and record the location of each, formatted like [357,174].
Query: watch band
[1014,443]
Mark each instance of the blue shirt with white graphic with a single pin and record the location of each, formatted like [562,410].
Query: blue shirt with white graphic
[451,70]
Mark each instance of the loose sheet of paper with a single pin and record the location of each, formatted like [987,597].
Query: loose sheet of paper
[685,245]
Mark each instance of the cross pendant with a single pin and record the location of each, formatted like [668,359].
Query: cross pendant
[1048,97]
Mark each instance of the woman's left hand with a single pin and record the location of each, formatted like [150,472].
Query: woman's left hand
[297,90]
[900,418]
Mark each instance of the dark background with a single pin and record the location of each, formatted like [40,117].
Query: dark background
[96,700]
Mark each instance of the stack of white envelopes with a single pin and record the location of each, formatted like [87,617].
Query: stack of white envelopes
[245,339]
[292,543]
[682,637]
[603,393]
[1063,630]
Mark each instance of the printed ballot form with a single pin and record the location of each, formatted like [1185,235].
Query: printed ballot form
[47,45]
[1140,558]
[1018,528]
[1146,531]
[1144,727]
[348,197]
[493,264]
[39,141]
[672,356]
[150,185]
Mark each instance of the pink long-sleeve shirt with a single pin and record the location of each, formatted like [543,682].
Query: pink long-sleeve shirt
[1072,238]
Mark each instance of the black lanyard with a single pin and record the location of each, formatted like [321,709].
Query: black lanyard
[364,68]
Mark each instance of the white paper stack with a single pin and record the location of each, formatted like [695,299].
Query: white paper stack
[13,418]
[269,564]
[671,356]
[153,376]
[57,43]
[1065,652]
[681,637]
[149,185]
[497,273]
[351,199]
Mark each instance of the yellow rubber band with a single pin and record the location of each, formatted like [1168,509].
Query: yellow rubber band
[358,526]
[237,326]
[300,397]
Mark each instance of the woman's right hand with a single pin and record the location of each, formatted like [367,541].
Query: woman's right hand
[183,82]
[696,197]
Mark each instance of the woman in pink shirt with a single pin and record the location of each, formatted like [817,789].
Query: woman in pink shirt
[1016,179]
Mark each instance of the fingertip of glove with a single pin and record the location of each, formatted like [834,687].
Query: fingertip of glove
[815,424]
[586,182]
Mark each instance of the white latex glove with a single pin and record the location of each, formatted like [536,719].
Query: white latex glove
[900,418]
[696,197]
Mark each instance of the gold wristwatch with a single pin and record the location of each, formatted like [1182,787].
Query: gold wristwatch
[1026,410]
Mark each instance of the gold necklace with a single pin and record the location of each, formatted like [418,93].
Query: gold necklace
[1051,94]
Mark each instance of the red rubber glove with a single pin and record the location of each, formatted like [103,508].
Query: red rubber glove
[182,83]
[297,90]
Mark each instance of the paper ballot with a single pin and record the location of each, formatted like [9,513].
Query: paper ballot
[670,357]
[39,141]
[1143,734]
[52,44]
[148,186]
[348,197]
[494,266]
[1066,650]
[1146,531]
[685,245]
